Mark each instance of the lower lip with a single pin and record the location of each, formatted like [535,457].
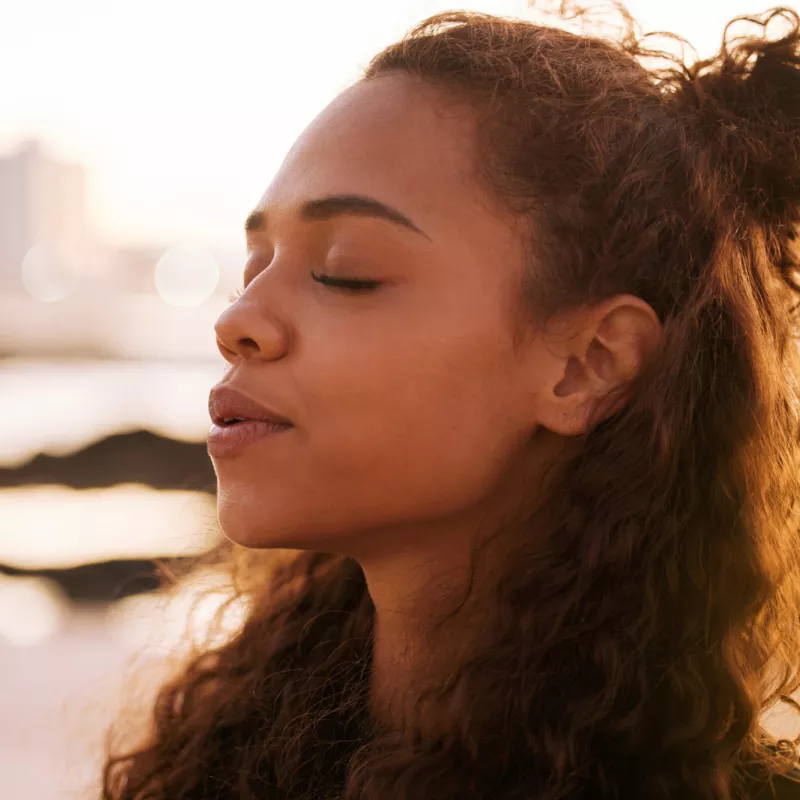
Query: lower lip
[229,440]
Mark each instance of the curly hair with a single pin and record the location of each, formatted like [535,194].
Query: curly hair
[632,645]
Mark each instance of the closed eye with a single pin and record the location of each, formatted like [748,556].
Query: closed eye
[348,284]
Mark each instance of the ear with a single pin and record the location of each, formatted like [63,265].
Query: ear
[595,353]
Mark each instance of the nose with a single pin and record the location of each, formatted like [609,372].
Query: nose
[248,330]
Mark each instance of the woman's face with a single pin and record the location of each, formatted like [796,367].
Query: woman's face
[407,400]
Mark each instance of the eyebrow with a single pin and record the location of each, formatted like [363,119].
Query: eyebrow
[326,208]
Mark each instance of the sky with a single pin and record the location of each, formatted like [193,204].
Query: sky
[182,111]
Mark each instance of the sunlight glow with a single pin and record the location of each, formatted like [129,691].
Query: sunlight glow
[187,139]
[204,609]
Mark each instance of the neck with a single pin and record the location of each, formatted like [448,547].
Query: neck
[410,592]
[416,576]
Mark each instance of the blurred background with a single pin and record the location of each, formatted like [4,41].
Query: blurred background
[134,140]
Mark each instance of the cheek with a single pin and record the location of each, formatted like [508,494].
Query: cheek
[423,429]
[428,458]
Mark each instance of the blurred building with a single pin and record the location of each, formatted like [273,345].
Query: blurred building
[64,292]
[42,202]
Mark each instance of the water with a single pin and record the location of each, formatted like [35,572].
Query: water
[60,406]
[58,527]
[62,667]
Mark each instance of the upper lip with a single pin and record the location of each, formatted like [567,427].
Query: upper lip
[225,402]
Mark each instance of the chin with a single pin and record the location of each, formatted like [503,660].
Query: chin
[259,525]
[245,530]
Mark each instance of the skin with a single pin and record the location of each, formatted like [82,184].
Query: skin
[420,414]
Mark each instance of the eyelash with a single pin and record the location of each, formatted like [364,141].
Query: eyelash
[352,285]
[348,284]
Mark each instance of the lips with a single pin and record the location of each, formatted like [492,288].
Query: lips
[238,422]
[228,406]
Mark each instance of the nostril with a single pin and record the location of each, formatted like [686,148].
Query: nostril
[246,343]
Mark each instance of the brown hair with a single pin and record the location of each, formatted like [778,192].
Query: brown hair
[635,640]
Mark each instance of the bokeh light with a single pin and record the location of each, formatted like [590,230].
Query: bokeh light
[31,610]
[186,275]
[46,275]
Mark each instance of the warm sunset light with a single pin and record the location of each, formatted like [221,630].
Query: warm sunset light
[202,611]
[135,140]
[184,145]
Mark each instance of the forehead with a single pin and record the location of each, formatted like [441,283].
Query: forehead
[393,138]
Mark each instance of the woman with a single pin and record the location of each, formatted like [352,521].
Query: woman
[513,388]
